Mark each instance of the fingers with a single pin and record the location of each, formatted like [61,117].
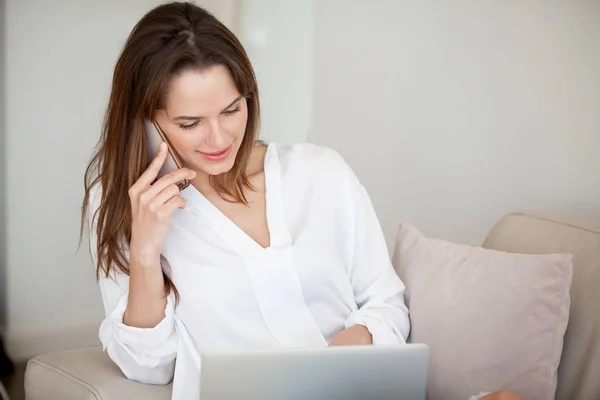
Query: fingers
[153,169]
[171,179]
[161,207]
[146,190]
[163,197]
[173,204]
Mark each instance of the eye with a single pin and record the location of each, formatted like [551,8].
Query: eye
[231,112]
[189,126]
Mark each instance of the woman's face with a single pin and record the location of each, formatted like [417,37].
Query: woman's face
[205,119]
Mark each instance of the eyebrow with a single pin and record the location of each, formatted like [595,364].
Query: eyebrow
[187,118]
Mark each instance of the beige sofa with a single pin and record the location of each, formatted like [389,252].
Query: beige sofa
[90,374]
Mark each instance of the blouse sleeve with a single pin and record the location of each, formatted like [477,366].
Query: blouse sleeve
[145,355]
[378,290]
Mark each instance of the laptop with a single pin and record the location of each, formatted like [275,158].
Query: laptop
[329,373]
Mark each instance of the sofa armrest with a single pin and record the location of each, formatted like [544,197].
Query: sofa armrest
[84,374]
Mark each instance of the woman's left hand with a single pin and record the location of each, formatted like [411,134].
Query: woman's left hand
[354,336]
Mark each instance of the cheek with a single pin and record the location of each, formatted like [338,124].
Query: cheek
[183,143]
[236,124]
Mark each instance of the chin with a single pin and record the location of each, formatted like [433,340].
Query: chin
[216,171]
[216,168]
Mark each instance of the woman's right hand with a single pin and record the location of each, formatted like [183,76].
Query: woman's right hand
[152,205]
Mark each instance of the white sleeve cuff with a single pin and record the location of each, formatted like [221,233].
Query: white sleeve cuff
[381,331]
[479,396]
[142,339]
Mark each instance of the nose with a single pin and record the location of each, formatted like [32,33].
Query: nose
[216,138]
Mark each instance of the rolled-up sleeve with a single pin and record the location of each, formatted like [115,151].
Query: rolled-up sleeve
[378,290]
[146,355]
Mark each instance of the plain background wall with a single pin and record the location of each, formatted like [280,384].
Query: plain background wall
[278,37]
[3,294]
[455,113]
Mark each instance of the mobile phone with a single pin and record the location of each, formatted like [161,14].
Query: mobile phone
[154,137]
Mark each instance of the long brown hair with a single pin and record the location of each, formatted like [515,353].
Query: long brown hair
[168,40]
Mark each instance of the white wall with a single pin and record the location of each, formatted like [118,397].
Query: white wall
[278,37]
[3,294]
[60,56]
[456,113]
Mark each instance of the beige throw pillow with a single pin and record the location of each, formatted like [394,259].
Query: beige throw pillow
[493,320]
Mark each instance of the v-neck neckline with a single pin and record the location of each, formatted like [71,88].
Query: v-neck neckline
[230,232]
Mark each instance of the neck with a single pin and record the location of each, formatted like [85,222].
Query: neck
[255,167]
[202,182]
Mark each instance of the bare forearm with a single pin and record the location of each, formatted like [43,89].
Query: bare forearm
[153,202]
[147,299]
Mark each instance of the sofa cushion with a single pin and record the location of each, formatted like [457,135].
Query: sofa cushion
[84,374]
[578,374]
[493,320]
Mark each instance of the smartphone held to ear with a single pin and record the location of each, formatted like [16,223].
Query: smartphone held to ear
[154,137]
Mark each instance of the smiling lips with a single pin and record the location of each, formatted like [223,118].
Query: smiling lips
[217,156]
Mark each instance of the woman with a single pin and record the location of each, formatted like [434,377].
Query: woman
[271,246]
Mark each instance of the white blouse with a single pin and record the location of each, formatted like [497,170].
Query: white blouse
[327,269]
